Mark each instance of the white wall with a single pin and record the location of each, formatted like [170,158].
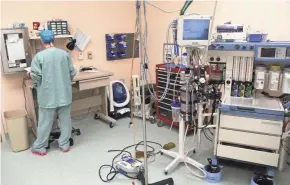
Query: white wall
[271,16]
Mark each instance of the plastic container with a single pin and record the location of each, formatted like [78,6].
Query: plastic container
[286,80]
[213,171]
[17,129]
[260,73]
[213,177]
[175,107]
[274,77]
[261,180]
[58,27]
[257,37]
[184,59]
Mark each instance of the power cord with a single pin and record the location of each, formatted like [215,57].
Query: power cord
[114,171]
[164,11]
[25,105]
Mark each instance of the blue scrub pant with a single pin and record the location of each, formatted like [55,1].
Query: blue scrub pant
[45,122]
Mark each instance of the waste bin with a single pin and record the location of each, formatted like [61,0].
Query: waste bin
[17,129]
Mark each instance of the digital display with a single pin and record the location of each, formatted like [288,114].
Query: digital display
[287,52]
[195,29]
[268,52]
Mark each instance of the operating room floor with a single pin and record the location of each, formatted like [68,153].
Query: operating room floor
[81,165]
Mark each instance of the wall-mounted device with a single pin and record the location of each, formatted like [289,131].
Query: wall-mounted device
[193,30]
[16,51]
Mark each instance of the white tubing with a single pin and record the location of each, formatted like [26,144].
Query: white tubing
[111,97]
[198,167]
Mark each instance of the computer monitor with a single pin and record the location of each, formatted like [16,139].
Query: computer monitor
[193,30]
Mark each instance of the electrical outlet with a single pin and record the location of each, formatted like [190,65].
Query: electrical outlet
[81,56]
[90,55]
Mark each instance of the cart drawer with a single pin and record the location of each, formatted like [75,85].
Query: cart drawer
[165,113]
[93,83]
[251,124]
[248,155]
[249,139]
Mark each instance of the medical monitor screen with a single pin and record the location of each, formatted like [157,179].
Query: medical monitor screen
[195,29]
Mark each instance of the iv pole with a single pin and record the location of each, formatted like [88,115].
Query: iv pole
[142,71]
[143,177]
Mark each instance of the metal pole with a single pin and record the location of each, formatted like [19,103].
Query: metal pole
[143,71]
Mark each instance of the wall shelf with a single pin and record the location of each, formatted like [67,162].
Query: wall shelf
[56,37]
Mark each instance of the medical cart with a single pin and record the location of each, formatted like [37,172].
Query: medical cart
[250,130]
[163,107]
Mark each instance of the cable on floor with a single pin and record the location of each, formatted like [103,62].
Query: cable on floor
[198,167]
[114,171]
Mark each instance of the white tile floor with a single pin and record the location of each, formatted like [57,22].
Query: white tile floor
[81,165]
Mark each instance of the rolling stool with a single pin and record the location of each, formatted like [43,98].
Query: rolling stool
[54,135]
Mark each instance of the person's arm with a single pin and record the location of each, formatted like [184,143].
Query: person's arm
[36,71]
[72,70]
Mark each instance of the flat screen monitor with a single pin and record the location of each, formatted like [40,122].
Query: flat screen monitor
[193,30]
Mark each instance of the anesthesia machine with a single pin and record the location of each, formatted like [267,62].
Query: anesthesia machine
[254,75]
[233,85]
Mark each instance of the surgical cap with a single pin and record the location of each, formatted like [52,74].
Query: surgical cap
[47,36]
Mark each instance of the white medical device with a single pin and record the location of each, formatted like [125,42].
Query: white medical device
[148,108]
[193,30]
[136,90]
[16,51]
[232,36]
[129,166]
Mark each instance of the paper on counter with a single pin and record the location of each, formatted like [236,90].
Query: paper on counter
[28,69]
[91,71]
[23,65]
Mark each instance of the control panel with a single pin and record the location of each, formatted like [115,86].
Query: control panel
[232,46]
[273,51]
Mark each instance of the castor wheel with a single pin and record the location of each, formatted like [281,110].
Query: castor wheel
[152,120]
[165,172]
[48,147]
[78,132]
[160,123]
[161,153]
[97,116]
[111,124]
[194,151]
[71,142]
